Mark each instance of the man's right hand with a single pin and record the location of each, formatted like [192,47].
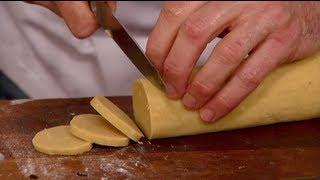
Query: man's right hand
[77,15]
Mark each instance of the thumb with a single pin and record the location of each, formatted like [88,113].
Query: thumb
[79,18]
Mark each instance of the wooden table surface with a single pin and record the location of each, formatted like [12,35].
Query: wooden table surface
[290,150]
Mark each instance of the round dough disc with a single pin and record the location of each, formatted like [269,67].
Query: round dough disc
[59,140]
[95,129]
[116,117]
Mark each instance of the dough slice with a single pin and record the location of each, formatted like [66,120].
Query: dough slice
[95,129]
[59,140]
[116,117]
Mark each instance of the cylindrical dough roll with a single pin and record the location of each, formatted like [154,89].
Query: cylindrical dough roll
[289,93]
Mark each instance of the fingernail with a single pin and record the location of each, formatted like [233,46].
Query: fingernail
[188,100]
[171,90]
[207,115]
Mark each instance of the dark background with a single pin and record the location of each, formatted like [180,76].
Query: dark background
[9,90]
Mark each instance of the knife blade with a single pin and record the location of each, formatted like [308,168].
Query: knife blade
[128,45]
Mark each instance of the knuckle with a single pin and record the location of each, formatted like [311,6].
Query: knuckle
[228,53]
[194,29]
[224,102]
[172,70]
[287,36]
[278,40]
[265,25]
[171,11]
[248,79]
[239,43]
[275,8]
[202,89]
[278,13]
[84,29]
[81,34]
[283,38]
[295,32]
[287,41]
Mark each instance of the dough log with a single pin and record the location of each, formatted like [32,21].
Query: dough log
[289,93]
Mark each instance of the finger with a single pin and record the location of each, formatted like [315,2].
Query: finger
[79,18]
[225,58]
[164,32]
[269,55]
[47,4]
[198,30]
[112,5]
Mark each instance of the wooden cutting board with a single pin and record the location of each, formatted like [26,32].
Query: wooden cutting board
[290,150]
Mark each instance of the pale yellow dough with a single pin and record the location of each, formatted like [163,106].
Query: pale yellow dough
[95,129]
[116,117]
[289,93]
[59,140]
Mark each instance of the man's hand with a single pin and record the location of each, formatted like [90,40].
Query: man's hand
[77,15]
[258,37]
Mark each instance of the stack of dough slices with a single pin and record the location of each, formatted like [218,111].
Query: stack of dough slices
[111,128]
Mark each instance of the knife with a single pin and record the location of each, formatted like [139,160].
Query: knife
[118,33]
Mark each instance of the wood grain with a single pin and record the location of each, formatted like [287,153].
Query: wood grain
[290,150]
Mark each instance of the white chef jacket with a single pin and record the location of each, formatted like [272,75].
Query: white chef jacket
[40,54]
